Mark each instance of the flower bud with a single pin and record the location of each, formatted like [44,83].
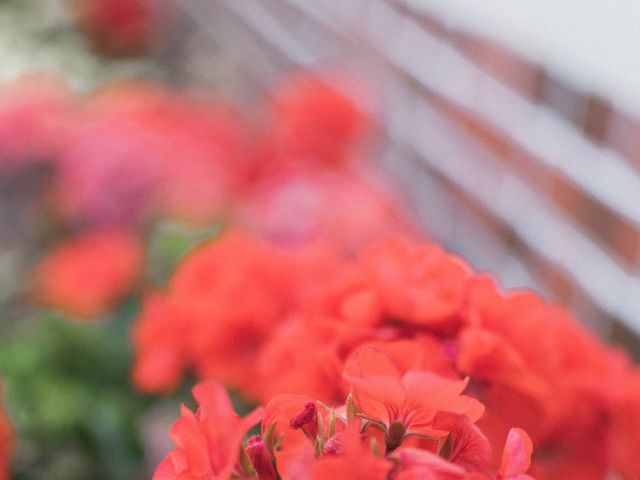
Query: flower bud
[261,458]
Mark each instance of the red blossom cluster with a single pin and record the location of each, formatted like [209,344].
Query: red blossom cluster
[395,425]
[404,327]
[131,152]
[118,158]
[359,348]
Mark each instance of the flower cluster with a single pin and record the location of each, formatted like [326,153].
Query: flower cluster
[117,159]
[375,355]
[219,309]
[269,324]
[132,152]
[394,425]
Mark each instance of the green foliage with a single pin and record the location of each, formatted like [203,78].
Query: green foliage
[68,390]
[170,241]
[69,395]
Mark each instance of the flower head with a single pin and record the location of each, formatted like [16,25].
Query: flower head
[419,284]
[403,404]
[208,442]
[85,275]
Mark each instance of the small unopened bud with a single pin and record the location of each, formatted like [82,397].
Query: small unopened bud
[260,458]
[307,420]
[333,445]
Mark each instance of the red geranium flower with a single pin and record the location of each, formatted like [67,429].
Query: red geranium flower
[404,404]
[318,119]
[162,352]
[36,113]
[536,367]
[122,27]
[142,150]
[347,208]
[226,299]
[418,464]
[208,442]
[418,283]
[352,461]
[85,275]
[625,435]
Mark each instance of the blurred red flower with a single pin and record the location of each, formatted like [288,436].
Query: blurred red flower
[538,368]
[143,151]
[226,298]
[85,275]
[36,115]
[319,119]
[346,208]
[417,283]
[159,335]
[122,27]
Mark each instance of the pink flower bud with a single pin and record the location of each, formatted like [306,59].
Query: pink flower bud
[261,458]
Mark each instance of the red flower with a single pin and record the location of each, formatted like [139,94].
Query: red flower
[465,444]
[416,464]
[347,209]
[314,119]
[85,275]
[538,368]
[142,150]
[419,284]
[261,459]
[625,435]
[516,458]
[352,461]
[404,404]
[312,349]
[122,27]
[514,392]
[160,337]
[35,118]
[225,299]
[208,442]
[279,414]
[232,291]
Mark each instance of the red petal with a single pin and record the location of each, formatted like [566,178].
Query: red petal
[516,458]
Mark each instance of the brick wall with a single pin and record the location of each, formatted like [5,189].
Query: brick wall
[513,168]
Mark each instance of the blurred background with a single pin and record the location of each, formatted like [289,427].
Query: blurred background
[512,131]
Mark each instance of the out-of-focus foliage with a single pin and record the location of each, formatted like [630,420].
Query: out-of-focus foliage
[69,397]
